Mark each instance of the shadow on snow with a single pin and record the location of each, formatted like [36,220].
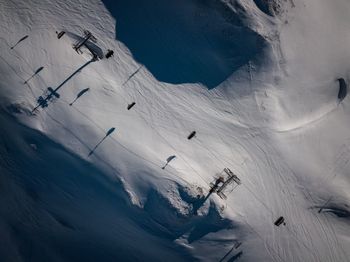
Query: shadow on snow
[58,207]
[185,41]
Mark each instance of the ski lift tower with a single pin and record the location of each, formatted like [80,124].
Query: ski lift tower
[86,37]
[225,183]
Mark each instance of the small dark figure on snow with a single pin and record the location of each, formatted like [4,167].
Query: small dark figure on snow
[131,105]
[60,34]
[191,135]
[109,53]
[280,221]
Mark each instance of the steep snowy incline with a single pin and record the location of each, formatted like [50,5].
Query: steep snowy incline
[57,207]
[270,114]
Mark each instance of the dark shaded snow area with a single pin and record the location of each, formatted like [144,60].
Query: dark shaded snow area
[185,41]
[55,206]
[277,117]
[271,8]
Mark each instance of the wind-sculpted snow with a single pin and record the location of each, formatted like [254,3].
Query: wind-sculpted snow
[185,215]
[122,166]
[272,7]
[185,41]
[57,206]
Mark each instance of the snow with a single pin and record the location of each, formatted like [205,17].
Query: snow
[259,87]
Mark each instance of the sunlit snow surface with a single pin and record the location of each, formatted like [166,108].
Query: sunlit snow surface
[259,87]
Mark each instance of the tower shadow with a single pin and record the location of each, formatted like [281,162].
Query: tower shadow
[19,41]
[82,92]
[52,93]
[198,204]
[109,132]
[35,73]
[236,256]
[170,158]
[132,75]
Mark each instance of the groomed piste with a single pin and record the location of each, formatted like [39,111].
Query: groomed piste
[174,131]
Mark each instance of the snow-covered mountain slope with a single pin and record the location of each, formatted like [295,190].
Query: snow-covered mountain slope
[257,81]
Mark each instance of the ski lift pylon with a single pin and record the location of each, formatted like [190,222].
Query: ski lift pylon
[223,181]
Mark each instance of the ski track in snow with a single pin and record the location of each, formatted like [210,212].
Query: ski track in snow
[233,131]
